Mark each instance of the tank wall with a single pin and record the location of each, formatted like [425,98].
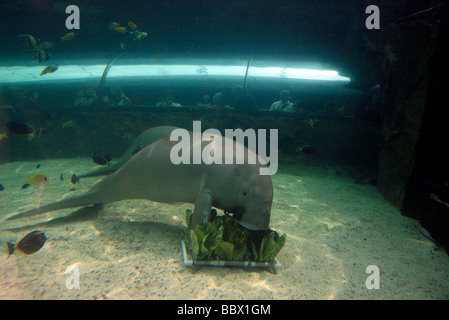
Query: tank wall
[79,132]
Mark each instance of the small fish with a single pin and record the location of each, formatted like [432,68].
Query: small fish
[68,36]
[101,158]
[69,124]
[139,35]
[132,26]
[306,149]
[3,136]
[38,179]
[74,179]
[158,57]
[2,187]
[112,26]
[31,41]
[46,45]
[120,30]
[38,166]
[433,196]
[20,128]
[49,69]
[61,177]
[436,183]
[71,189]
[26,185]
[31,243]
[41,55]
[311,124]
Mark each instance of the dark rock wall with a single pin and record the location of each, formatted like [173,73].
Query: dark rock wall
[427,191]
[404,94]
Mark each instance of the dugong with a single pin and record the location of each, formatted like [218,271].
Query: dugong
[144,139]
[150,174]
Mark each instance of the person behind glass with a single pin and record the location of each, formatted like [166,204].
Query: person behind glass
[119,98]
[86,98]
[18,97]
[168,101]
[284,104]
[242,100]
[207,101]
[218,102]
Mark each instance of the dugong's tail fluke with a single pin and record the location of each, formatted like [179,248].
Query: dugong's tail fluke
[79,201]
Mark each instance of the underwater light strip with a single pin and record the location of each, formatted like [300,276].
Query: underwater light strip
[22,74]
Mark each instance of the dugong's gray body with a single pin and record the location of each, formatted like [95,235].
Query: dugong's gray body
[144,139]
[150,174]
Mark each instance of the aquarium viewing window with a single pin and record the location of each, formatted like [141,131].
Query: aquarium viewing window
[22,74]
[127,66]
[190,73]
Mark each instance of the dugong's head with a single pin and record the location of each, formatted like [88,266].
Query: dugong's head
[254,199]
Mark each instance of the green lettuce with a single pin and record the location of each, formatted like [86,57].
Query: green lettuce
[224,239]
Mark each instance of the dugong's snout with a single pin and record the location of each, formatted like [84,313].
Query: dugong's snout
[256,220]
[256,198]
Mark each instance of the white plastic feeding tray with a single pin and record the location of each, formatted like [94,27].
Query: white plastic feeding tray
[222,263]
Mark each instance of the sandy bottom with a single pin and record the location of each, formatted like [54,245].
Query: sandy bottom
[131,249]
